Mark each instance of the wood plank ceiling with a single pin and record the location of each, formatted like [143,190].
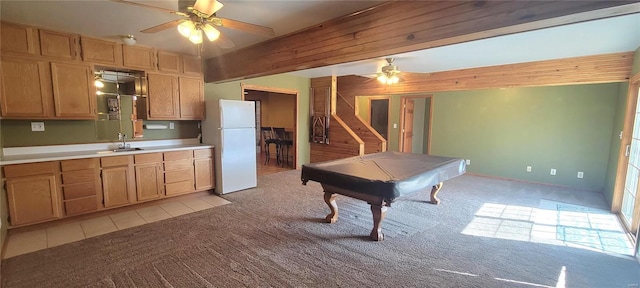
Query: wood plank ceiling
[403,26]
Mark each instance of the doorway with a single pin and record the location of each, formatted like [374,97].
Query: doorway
[415,124]
[276,112]
[379,115]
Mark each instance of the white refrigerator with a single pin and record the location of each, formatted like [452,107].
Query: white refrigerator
[230,127]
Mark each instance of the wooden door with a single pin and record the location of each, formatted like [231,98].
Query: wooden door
[407,125]
[169,62]
[148,181]
[33,199]
[25,88]
[100,51]
[192,65]
[203,173]
[73,91]
[59,45]
[191,98]
[19,39]
[138,57]
[116,186]
[163,103]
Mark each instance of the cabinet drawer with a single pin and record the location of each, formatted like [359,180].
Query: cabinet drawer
[82,205]
[115,161]
[179,187]
[202,153]
[79,190]
[178,175]
[177,155]
[79,164]
[80,176]
[178,165]
[20,170]
[148,158]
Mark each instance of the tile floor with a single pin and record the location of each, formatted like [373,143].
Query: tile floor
[19,243]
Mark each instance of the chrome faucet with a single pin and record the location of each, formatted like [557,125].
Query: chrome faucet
[124,144]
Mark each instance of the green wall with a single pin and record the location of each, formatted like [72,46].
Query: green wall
[635,69]
[17,133]
[233,90]
[614,150]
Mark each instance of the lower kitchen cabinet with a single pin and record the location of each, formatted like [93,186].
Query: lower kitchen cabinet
[203,166]
[80,186]
[148,176]
[117,181]
[32,192]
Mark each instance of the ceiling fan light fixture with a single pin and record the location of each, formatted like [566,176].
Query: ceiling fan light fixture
[196,36]
[186,28]
[212,33]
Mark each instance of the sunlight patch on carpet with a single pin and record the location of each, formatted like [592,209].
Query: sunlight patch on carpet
[553,223]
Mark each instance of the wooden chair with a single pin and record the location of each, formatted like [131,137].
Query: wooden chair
[268,138]
[284,143]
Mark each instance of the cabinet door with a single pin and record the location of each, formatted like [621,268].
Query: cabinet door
[116,186]
[33,199]
[149,181]
[19,39]
[25,88]
[139,57]
[73,91]
[163,97]
[191,98]
[100,51]
[203,173]
[192,65]
[169,62]
[58,44]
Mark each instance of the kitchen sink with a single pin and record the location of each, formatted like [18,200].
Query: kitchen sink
[127,149]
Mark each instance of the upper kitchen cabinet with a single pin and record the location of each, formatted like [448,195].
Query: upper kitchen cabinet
[162,100]
[19,39]
[191,98]
[138,57]
[25,92]
[191,65]
[169,62]
[59,45]
[101,51]
[73,91]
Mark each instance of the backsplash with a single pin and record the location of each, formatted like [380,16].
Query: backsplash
[17,133]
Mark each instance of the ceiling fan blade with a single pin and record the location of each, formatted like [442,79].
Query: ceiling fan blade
[151,7]
[224,42]
[207,7]
[244,26]
[162,26]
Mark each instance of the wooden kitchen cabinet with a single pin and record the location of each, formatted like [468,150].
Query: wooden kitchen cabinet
[80,186]
[149,182]
[204,171]
[191,98]
[138,57]
[73,91]
[25,88]
[162,99]
[192,65]
[19,39]
[32,192]
[101,51]
[59,45]
[178,172]
[118,185]
[169,62]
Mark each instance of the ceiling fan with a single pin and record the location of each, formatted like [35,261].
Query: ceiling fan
[200,21]
[389,74]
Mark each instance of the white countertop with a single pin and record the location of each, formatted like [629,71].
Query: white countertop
[33,154]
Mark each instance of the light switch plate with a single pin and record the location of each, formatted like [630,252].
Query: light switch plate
[171,125]
[37,126]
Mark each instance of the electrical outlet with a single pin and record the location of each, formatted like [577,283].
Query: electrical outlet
[580,174]
[37,126]
[528,168]
[171,125]
[468,161]
[553,171]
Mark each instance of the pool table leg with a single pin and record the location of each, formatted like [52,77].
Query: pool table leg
[330,199]
[434,193]
[379,212]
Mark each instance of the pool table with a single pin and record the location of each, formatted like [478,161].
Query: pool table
[381,178]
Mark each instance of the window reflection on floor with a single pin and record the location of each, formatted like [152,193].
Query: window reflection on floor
[553,223]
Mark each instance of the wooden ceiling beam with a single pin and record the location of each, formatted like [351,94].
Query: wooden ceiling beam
[403,26]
